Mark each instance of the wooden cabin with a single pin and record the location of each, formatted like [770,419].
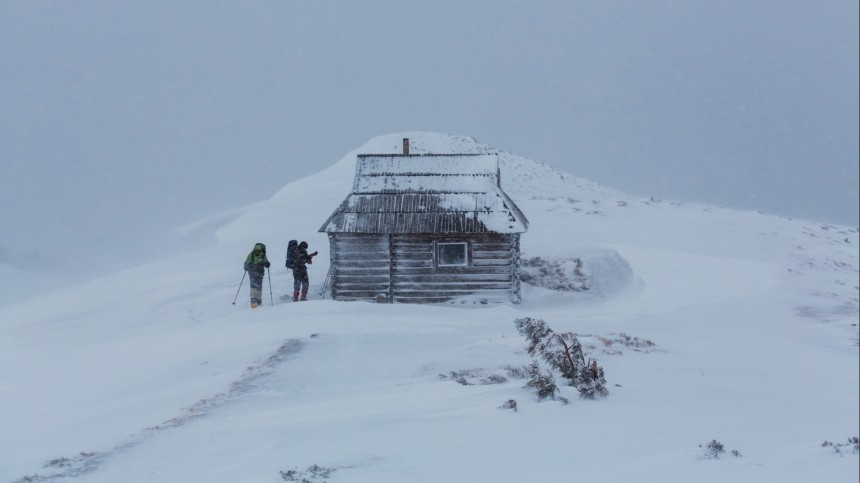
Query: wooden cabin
[425,228]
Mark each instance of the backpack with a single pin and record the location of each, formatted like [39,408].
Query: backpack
[291,253]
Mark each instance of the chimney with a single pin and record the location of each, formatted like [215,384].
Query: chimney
[406,146]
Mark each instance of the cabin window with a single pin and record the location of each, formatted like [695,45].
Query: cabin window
[452,255]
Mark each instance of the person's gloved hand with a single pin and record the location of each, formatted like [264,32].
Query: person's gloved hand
[268,264]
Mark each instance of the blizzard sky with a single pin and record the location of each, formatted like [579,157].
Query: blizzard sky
[123,120]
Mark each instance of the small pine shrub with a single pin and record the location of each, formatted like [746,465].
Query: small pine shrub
[542,382]
[592,382]
[563,352]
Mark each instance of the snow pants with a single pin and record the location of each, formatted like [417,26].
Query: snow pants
[300,281]
[256,279]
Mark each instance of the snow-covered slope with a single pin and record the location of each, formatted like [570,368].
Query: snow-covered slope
[152,374]
[24,284]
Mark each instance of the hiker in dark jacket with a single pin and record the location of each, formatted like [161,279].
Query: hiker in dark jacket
[300,270]
[256,264]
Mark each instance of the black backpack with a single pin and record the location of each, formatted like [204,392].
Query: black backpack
[291,253]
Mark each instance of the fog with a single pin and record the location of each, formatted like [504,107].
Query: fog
[122,120]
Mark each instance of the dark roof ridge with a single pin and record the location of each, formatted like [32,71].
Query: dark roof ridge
[398,155]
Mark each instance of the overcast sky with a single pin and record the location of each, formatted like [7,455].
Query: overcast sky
[120,120]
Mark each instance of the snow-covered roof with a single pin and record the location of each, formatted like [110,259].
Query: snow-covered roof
[427,193]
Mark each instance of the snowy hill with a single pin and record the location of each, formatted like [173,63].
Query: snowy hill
[711,325]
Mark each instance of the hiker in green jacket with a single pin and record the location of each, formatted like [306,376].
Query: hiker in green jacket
[256,264]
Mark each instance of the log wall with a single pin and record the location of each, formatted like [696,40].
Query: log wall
[404,268]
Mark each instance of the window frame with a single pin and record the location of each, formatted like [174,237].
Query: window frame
[466,254]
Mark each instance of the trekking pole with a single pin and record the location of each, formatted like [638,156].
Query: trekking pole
[271,297]
[240,287]
[325,284]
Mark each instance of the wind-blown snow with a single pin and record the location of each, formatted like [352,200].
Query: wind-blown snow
[152,374]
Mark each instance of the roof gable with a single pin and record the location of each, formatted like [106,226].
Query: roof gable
[427,193]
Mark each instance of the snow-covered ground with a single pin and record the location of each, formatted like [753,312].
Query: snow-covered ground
[152,374]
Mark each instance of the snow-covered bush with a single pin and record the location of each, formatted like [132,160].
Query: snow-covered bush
[494,379]
[563,353]
[593,274]
[563,274]
[715,449]
[510,404]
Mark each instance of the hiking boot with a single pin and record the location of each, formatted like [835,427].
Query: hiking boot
[254,305]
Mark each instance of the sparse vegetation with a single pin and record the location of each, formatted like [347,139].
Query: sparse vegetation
[62,467]
[521,372]
[471,377]
[313,474]
[853,445]
[57,463]
[627,341]
[494,379]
